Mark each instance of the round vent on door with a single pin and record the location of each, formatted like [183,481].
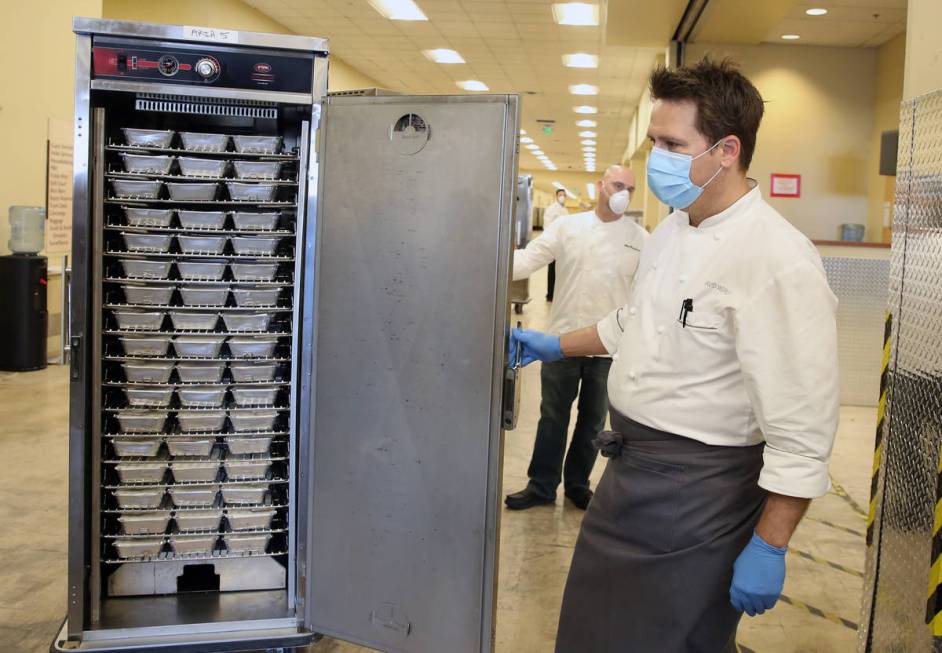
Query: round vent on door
[410,134]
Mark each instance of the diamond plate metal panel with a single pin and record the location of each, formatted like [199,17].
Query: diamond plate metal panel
[860,285]
[898,567]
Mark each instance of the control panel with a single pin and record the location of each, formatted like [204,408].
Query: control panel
[201,65]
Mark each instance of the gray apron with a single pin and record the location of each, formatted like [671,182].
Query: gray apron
[654,559]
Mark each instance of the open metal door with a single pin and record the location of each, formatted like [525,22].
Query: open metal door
[411,323]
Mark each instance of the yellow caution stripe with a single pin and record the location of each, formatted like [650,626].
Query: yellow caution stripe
[934,601]
[842,493]
[743,649]
[818,612]
[881,415]
[822,561]
[835,526]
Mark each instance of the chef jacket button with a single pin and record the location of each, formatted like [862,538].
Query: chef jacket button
[632,375]
[654,266]
[716,236]
[660,329]
[614,357]
[632,310]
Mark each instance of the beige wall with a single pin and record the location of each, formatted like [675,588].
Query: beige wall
[923,54]
[888,89]
[38,47]
[818,123]
[233,14]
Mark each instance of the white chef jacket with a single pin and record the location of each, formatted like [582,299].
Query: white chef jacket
[757,360]
[595,265]
[552,212]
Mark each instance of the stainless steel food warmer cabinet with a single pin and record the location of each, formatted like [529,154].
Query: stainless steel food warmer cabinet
[289,380]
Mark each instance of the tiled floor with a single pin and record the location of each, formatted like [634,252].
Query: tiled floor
[536,545]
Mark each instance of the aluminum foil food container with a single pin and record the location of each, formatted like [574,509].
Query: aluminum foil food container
[158,243]
[253,297]
[147,164]
[251,192]
[142,320]
[139,547]
[194,192]
[254,271]
[183,496]
[203,397]
[259,396]
[202,219]
[146,345]
[253,420]
[144,523]
[202,244]
[201,420]
[142,421]
[246,321]
[247,543]
[254,246]
[242,519]
[141,472]
[198,520]
[187,321]
[247,469]
[253,372]
[257,169]
[191,545]
[145,269]
[193,472]
[136,188]
[202,142]
[200,372]
[147,372]
[204,295]
[252,347]
[150,295]
[188,447]
[238,493]
[257,144]
[149,498]
[198,346]
[135,448]
[191,166]
[204,270]
[154,397]
[141,217]
[255,221]
[157,138]
[246,445]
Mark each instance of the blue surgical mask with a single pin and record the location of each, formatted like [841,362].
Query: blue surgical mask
[669,177]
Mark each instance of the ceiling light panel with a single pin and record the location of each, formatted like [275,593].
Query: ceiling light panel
[443,55]
[581,60]
[816,11]
[576,13]
[587,134]
[791,37]
[472,85]
[585,109]
[584,89]
[526,139]
[586,123]
[588,141]
[398,9]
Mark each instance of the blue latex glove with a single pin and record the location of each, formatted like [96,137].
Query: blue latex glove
[758,577]
[537,346]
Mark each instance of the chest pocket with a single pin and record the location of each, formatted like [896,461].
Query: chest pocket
[628,261]
[702,320]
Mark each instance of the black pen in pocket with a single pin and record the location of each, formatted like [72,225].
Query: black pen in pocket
[685,307]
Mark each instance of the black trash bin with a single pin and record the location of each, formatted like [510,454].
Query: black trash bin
[23,315]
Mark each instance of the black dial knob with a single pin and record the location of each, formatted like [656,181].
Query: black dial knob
[207,68]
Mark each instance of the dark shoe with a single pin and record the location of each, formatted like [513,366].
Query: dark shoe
[525,499]
[580,497]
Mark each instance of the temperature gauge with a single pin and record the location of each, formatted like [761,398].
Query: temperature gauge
[168,65]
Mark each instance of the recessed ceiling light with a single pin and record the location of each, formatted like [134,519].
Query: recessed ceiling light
[586,123]
[472,85]
[588,141]
[587,134]
[581,60]
[537,153]
[588,148]
[816,11]
[791,37]
[585,109]
[584,89]
[526,139]
[576,13]
[398,9]
[443,55]
[532,146]
[523,132]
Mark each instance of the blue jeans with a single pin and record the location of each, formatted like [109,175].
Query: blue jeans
[560,385]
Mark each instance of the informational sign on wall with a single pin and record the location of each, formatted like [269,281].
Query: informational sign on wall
[786,185]
[59,188]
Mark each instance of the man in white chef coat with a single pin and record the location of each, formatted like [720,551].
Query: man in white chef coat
[597,254]
[723,390]
[555,210]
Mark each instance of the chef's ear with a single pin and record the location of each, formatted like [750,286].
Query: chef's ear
[730,151]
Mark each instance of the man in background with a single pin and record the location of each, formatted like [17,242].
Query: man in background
[597,252]
[555,210]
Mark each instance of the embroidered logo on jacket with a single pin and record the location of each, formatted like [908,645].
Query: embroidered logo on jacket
[717,287]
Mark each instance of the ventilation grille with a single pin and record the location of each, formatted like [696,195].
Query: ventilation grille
[204,106]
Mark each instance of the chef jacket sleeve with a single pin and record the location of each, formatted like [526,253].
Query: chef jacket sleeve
[786,342]
[611,328]
[539,252]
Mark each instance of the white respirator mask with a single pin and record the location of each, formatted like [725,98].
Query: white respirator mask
[618,202]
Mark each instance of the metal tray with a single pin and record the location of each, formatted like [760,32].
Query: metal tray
[155,295]
[159,243]
[249,372]
[201,372]
[194,397]
[150,498]
[240,446]
[250,246]
[198,346]
[201,270]
[247,469]
[187,447]
[193,544]
[139,547]
[146,345]
[187,472]
[142,421]
[198,192]
[141,472]
[128,448]
[148,137]
[251,192]
[257,169]
[244,493]
[202,244]
[150,321]
[260,396]
[246,321]
[201,420]
[193,496]
[255,221]
[202,219]
[204,296]
[198,521]
[253,347]
[191,166]
[144,164]
[250,519]
[252,297]
[145,523]
[254,271]
[135,188]
[151,397]
[257,144]
[145,269]
[202,142]
[141,217]
[247,543]
[194,321]
[253,420]
[147,372]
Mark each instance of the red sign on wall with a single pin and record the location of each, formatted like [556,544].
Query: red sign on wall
[786,185]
